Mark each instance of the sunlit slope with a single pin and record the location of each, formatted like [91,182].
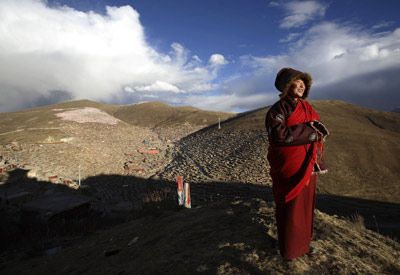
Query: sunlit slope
[362,151]
[38,124]
[157,114]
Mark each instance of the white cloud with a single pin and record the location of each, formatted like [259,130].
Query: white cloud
[290,37]
[203,87]
[49,54]
[333,54]
[273,4]
[217,60]
[179,54]
[158,86]
[299,13]
[383,25]
[230,102]
[86,55]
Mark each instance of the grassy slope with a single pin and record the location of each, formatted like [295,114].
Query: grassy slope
[156,114]
[362,151]
[37,124]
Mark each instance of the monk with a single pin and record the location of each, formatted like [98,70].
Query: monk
[295,155]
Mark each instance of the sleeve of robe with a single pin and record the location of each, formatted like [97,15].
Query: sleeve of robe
[281,135]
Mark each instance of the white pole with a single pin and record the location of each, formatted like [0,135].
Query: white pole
[79,180]
[219,123]
[188,201]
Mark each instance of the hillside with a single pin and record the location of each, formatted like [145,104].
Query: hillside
[166,120]
[362,155]
[95,138]
[236,237]
[157,114]
[37,124]
[362,151]
[125,219]
[42,122]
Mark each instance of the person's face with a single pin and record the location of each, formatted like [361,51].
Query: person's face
[297,88]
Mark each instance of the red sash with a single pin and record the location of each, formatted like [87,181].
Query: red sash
[291,166]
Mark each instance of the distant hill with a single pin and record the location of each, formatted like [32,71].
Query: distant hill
[396,110]
[42,122]
[157,114]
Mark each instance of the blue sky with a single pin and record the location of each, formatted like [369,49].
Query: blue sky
[216,55]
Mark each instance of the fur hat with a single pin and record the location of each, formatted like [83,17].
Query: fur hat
[286,76]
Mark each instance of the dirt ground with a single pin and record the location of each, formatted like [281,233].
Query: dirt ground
[231,237]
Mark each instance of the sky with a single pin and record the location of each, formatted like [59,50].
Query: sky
[214,55]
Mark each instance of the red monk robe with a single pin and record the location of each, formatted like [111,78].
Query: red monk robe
[293,145]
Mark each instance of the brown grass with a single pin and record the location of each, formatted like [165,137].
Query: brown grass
[156,114]
[357,221]
[37,124]
[362,151]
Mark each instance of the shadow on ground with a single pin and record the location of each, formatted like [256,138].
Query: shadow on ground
[381,217]
[228,225]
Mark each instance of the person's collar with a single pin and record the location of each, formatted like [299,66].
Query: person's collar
[291,101]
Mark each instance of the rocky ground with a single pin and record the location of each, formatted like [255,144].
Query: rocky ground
[225,154]
[89,149]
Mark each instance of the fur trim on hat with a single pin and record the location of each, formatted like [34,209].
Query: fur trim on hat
[286,76]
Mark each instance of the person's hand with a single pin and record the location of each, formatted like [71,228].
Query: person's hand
[321,127]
